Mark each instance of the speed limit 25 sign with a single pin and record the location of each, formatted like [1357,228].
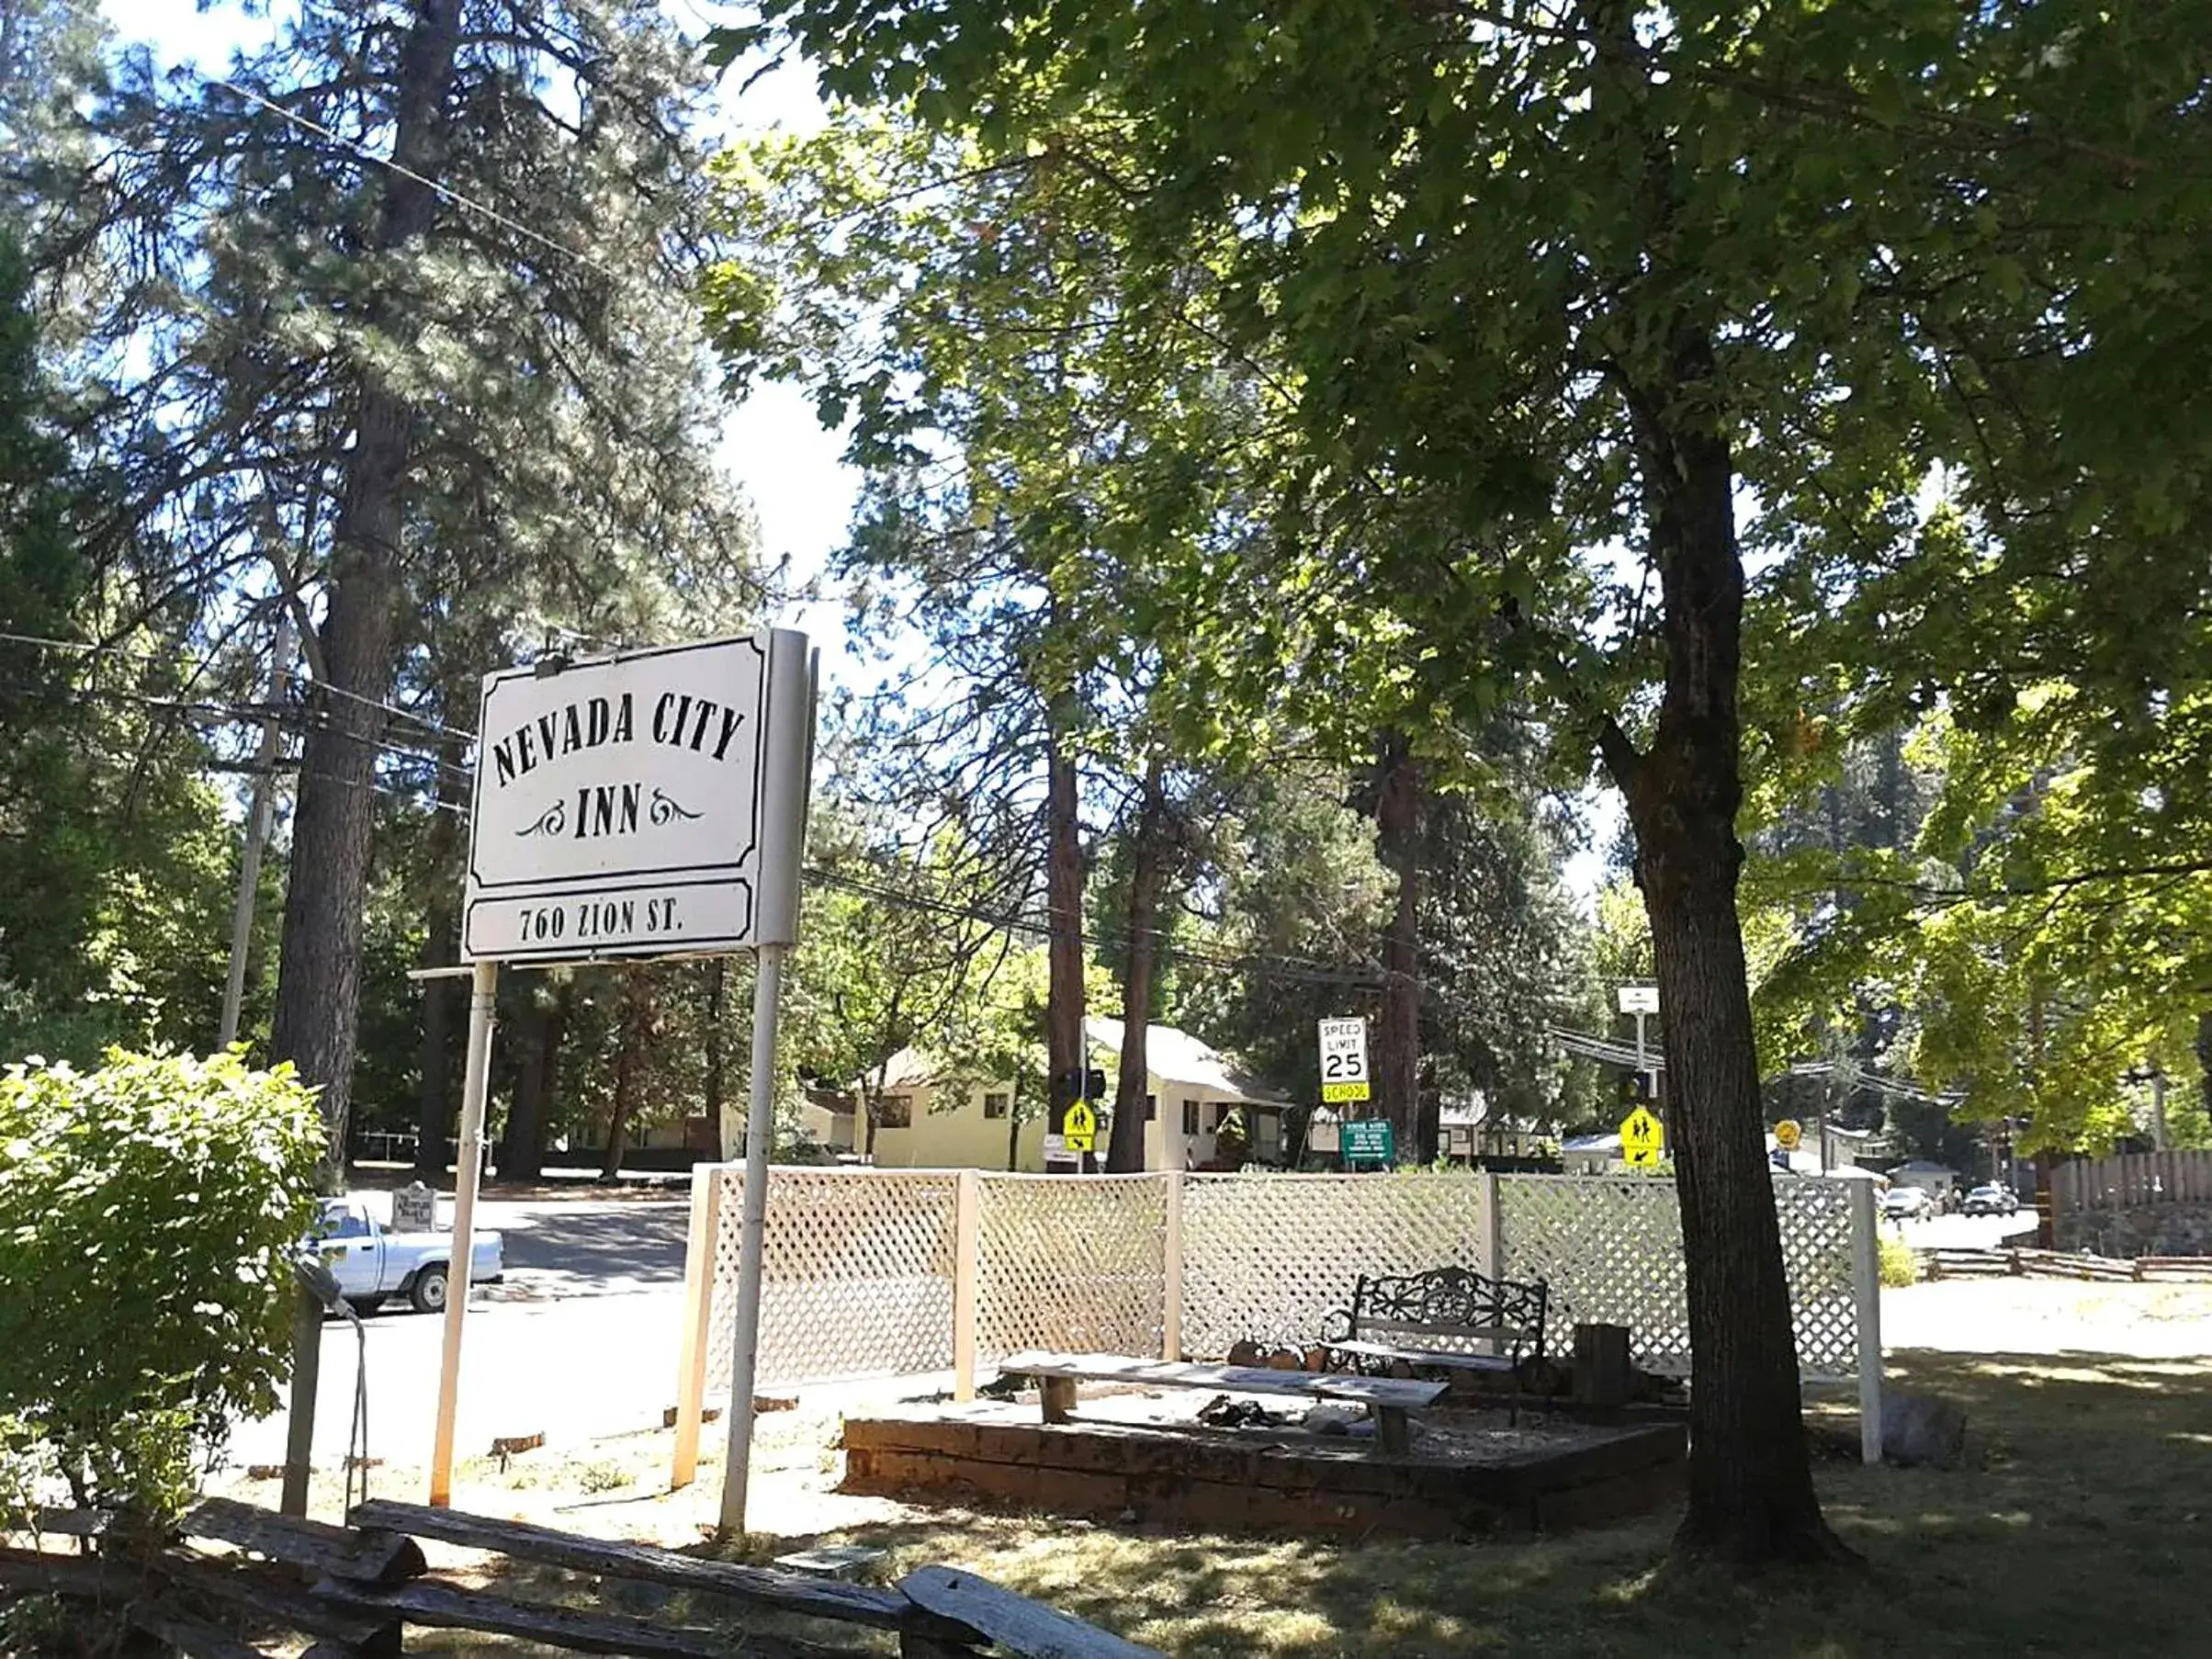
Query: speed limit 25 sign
[1344,1060]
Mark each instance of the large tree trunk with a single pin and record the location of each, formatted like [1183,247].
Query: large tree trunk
[1147,855]
[637,1021]
[444,1000]
[1751,1496]
[319,976]
[1065,1053]
[1398,1061]
[542,1031]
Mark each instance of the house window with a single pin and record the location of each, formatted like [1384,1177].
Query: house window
[1152,1108]
[1189,1117]
[894,1111]
[996,1105]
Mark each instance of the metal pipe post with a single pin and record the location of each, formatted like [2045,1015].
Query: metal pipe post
[462,1262]
[745,1340]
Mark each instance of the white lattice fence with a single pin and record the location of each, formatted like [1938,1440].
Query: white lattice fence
[1267,1257]
[1610,1250]
[1077,1265]
[856,1275]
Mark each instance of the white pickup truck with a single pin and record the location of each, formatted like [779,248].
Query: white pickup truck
[371,1262]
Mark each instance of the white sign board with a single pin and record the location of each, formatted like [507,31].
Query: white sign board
[1638,998]
[1344,1060]
[644,805]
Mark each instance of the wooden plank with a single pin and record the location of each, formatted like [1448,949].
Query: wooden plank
[339,1551]
[787,1592]
[74,1523]
[282,1601]
[88,1578]
[188,1636]
[1497,1364]
[698,1305]
[1402,1393]
[442,1606]
[1018,1624]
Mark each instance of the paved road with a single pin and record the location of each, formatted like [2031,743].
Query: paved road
[581,1340]
[1965,1232]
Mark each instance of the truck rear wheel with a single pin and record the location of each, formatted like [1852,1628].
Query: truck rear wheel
[427,1294]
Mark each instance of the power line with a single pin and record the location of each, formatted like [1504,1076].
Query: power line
[445,192]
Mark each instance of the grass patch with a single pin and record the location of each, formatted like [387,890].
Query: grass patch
[2071,1530]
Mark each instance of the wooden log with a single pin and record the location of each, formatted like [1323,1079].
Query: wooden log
[86,1577]
[74,1523]
[442,1606]
[1016,1623]
[336,1551]
[787,1592]
[1601,1364]
[281,1601]
[188,1636]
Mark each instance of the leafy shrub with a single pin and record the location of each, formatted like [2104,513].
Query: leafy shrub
[148,1210]
[1900,1262]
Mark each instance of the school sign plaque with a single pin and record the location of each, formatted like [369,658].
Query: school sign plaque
[647,804]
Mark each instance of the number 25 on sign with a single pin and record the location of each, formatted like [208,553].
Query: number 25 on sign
[1344,1060]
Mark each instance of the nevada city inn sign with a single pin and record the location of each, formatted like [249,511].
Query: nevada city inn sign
[619,807]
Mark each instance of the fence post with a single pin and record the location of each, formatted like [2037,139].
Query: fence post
[1171,1270]
[1866,1284]
[1493,1263]
[968,1235]
[699,1250]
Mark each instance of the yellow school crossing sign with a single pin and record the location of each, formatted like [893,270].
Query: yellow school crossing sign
[1641,1139]
[1080,1128]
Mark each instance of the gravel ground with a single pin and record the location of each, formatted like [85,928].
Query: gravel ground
[2050,1316]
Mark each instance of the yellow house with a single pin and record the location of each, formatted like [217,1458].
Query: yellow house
[1191,1090]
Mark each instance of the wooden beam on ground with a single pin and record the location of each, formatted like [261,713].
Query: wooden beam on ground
[1016,1623]
[88,1578]
[267,1594]
[188,1636]
[74,1523]
[335,1551]
[786,1592]
[442,1606]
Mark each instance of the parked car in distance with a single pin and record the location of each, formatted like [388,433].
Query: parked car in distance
[1994,1199]
[371,1262]
[1907,1204]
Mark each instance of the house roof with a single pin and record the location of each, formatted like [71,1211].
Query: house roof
[1176,1056]
[1608,1144]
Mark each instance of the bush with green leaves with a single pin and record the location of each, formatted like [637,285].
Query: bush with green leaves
[148,1211]
[1900,1263]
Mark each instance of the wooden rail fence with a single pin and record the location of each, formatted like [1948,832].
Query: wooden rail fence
[356,1588]
[2053,1264]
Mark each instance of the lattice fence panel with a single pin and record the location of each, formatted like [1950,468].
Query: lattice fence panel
[1267,1257]
[1610,1249]
[856,1276]
[1816,1253]
[1074,1265]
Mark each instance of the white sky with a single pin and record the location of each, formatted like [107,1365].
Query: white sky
[801,490]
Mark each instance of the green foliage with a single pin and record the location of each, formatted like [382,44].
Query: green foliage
[147,1214]
[1900,1262]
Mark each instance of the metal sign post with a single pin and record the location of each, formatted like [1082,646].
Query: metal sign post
[650,804]
[1641,1000]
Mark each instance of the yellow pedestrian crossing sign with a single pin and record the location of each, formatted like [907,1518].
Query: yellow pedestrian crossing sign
[1643,1138]
[1080,1128]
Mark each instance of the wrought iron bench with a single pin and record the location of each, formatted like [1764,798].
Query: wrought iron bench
[1447,1319]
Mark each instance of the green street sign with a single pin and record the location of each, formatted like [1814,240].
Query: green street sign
[1367,1141]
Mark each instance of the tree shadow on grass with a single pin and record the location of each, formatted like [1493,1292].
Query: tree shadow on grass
[2074,1525]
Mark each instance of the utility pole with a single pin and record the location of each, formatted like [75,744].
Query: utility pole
[259,812]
